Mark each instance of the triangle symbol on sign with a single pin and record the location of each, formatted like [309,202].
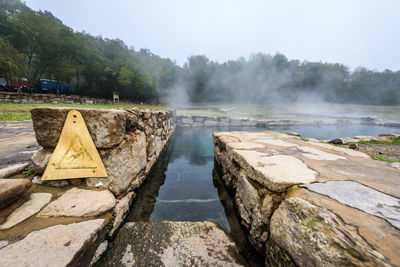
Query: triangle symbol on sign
[75,155]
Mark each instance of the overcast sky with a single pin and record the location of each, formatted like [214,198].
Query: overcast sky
[353,32]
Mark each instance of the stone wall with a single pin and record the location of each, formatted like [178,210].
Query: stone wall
[308,203]
[13,97]
[128,141]
[207,121]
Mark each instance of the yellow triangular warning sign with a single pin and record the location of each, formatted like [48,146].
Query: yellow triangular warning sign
[75,155]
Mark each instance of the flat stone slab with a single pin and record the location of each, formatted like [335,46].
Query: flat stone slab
[173,244]
[12,169]
[277,171]
[12,189]
[361,197]
[36,202]
[279,161]
[59,245]
[80,203]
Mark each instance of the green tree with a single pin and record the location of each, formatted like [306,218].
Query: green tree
[12,62]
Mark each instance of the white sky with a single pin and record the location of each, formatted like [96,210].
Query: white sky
[353,32]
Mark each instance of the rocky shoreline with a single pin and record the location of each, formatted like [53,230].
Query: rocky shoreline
[309,203]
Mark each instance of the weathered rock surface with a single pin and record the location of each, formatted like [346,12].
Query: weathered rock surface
[314,236]
[317,154]
[252,208]
[121,211]
[123,163]
[361,197]
[99,252]
[3,243]
[377,232]
[40,159]
[395,165]
[12,169]
[349,152]
[349,214]
[80,203]
[60,245]
[173,244]
[12,189]
[278,167]
[53,183]
[106,126]
[36,202]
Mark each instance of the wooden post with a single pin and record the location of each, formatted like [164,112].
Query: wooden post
[115,96]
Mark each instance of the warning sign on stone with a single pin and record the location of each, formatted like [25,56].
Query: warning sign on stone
[75,155]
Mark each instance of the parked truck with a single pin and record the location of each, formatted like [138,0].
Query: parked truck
[52,86]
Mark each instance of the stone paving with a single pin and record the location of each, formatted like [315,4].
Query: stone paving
[173,244]
[323,205]
[18,143]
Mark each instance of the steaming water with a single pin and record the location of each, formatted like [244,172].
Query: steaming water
[182,188]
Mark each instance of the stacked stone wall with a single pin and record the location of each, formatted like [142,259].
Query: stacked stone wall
[13,97]
[128,141]
[207,121]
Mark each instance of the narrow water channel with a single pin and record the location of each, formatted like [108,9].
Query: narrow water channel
[181,186]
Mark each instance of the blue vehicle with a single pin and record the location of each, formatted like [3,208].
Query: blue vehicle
[52,86]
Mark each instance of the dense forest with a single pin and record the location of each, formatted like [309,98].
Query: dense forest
[36,44]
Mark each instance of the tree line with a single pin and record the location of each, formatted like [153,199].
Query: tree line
[36,44]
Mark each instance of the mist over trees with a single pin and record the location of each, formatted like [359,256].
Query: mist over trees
[36,44]
[269,79]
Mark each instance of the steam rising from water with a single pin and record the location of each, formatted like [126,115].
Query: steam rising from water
[290,86]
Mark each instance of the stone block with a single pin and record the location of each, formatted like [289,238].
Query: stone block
[106,126]
[12,189]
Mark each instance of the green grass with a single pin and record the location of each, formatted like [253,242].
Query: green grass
[20,112]
[381,158]
[14,116]
[393,141]
[338,145]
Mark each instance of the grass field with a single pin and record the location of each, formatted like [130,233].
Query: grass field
[294,110]
[20,112]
